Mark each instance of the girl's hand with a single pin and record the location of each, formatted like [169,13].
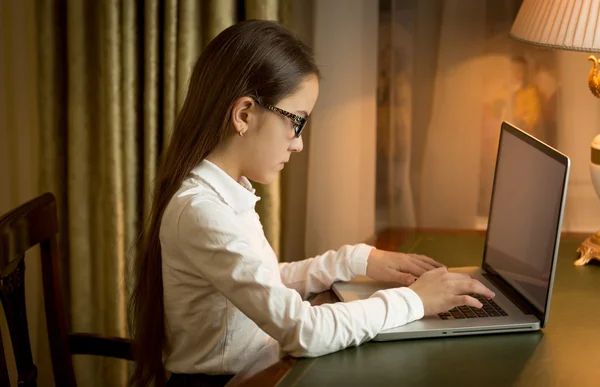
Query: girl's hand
[402,268]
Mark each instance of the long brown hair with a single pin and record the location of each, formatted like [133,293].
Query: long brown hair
[259,58]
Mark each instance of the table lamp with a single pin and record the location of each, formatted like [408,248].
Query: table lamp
[567,25]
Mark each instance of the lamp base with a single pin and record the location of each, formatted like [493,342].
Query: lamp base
[589,249]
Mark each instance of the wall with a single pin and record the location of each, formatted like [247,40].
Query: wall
[579,122]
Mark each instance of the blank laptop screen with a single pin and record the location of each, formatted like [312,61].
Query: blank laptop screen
[525,214]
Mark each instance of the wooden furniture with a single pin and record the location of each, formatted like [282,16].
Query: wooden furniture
[563,353]
[35,223]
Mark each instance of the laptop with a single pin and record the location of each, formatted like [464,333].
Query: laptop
[521,246]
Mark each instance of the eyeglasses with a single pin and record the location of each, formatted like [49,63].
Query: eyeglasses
[299,122]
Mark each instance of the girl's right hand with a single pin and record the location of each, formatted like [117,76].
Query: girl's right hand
[441,291]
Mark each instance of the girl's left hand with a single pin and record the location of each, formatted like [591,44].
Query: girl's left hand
[402,268]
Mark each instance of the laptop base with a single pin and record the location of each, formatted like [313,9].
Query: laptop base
[433,326]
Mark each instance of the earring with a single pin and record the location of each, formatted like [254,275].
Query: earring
[241,134]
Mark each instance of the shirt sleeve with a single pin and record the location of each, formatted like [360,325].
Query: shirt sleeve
[315,275]
[215,246]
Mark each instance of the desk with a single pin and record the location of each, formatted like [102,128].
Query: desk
[565,353]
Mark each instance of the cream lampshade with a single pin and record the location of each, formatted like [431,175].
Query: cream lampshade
[560,24]
[567,25]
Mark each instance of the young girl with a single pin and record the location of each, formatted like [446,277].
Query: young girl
[209,291]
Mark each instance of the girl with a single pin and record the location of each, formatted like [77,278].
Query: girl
[209,291]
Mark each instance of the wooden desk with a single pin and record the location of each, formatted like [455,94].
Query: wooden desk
[565,353]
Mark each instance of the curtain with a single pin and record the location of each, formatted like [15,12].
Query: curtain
[112,77]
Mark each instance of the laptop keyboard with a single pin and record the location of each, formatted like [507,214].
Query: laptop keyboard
[489,309]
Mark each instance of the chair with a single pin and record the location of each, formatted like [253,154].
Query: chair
[35,222]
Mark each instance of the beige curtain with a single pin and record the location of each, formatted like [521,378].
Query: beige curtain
[112,76]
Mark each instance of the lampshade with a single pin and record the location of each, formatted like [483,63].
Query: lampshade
[562,24]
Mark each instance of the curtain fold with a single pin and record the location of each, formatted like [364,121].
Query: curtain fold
[130,97]
[150,98]
[189,41]
[262,9]
[220,15]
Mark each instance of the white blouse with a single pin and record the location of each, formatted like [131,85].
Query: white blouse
[226,295]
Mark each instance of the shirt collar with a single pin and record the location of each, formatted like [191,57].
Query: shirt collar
[239,195]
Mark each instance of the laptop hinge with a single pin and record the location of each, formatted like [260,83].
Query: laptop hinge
[521,302]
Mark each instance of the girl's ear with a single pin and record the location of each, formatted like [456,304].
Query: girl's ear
[241,114]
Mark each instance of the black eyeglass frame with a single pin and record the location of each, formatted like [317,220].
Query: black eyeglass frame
[299,122]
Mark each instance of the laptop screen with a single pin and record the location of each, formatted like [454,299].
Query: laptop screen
[526,214]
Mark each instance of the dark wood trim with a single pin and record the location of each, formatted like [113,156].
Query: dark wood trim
[392,239]
[92,344]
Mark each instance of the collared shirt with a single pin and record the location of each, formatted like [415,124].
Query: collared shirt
[226,294]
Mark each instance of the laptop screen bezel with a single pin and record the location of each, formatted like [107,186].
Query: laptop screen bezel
[565,161]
